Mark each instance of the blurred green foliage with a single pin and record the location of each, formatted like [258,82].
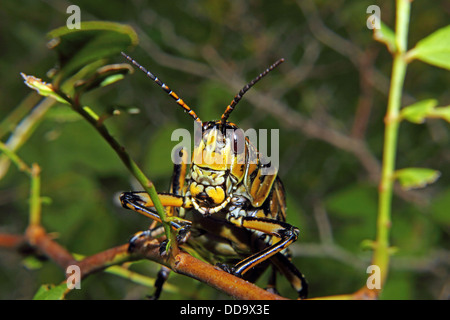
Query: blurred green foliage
[200,49]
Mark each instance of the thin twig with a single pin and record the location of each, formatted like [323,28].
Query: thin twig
[392,122]
[35,196]
[11,241]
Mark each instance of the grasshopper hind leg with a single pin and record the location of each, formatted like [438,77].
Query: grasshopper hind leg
[285,266]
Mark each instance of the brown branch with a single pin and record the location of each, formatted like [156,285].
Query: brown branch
[221,280]
[187,265]
[183,263]
[103,260]
[11,240]
[37,237]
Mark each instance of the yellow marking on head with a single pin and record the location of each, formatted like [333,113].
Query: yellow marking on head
[195,188]
[216,193]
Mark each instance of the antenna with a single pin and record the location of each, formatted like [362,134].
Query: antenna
[165,88]
[239,95]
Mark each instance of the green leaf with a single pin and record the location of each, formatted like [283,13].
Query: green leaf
[418,111]
[104,76]
[85,72]
[51,292]
[43,88]
[368,244]
[385,35]
[95,40]
[434,49]
[413,178]
[32,263]
[91,113]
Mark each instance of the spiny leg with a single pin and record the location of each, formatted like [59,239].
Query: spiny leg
[287,234]
[281,230]
[140,202]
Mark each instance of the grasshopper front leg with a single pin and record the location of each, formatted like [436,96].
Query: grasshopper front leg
[140,202]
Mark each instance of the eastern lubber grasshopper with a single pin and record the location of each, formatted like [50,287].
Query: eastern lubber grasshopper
[236,213]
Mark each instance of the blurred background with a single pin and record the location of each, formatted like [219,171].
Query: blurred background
[328,100]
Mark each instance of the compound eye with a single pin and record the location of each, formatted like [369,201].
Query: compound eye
[238,141]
